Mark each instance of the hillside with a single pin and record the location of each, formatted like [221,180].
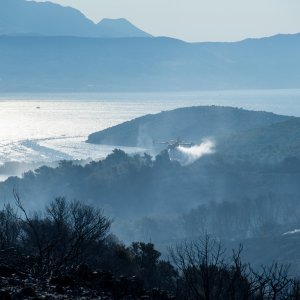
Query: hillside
[20,17]
[266,144]
[191,124]
[239,134]
[76,64]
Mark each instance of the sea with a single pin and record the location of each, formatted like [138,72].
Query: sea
[52,127]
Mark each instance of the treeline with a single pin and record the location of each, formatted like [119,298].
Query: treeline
[264,216]
[149,197]
[69,246]
[155,185]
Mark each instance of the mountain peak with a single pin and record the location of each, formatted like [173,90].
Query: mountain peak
[21,17]
[119,28]
[118,20]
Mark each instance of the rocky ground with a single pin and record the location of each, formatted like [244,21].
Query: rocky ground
[81,283]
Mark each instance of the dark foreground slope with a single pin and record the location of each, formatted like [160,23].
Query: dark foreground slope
[74,261]
[146,64]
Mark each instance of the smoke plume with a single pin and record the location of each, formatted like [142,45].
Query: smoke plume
[191,154]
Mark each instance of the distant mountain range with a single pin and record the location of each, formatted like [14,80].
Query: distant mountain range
[20,17]
[72,64]
[45,47]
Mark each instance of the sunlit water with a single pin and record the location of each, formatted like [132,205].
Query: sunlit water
[51,127]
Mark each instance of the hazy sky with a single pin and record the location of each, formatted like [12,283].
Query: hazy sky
[199,20]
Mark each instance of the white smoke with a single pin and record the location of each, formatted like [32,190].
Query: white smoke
[188,155]
[292,232]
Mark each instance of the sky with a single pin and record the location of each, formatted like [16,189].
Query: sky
[199,20]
